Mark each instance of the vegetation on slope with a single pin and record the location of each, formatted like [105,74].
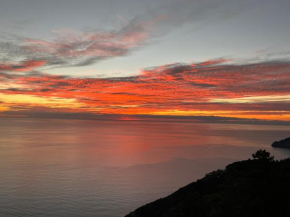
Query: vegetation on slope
[255,187]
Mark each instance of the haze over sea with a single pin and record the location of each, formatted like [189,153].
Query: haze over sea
[108,168]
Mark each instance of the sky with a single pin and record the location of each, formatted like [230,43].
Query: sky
[156,57]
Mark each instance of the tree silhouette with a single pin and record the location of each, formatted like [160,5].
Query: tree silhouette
[262,155]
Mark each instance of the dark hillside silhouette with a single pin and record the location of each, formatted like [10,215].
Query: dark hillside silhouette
[251,188]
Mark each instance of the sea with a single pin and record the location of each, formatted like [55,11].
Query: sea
[108,168]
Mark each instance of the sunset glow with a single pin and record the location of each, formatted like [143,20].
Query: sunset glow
[102,70]
[106,106]
[257,90]
[213,88]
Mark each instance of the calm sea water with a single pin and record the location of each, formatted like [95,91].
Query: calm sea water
[109,168]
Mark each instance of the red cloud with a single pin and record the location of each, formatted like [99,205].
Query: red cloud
[204,87]
[23,67]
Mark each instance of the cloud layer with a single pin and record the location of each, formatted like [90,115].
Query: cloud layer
[216,87]
[70,48]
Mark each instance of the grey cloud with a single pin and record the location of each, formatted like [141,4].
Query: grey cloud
[176,13]
[71,49]
[77,49]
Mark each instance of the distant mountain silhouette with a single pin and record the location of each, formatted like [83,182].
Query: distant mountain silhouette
[251,188]
[285,143]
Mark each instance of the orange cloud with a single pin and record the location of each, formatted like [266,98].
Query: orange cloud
[208,88]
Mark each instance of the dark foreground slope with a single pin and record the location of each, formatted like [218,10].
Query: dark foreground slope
[259,187]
